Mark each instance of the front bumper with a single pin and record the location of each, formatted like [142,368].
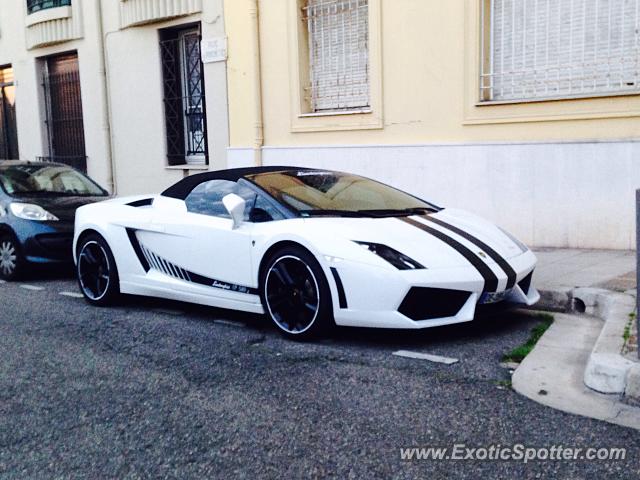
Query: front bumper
[45,242]
[377,297]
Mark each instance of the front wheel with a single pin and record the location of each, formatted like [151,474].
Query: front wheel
[295,294]
[11,259]
[97,271]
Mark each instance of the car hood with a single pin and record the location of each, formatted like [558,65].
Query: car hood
[397,233]
[63,207]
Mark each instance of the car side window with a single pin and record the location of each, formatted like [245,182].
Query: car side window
[264,211]
[206,198]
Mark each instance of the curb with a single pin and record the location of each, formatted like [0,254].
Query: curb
[607,371]
[553,373]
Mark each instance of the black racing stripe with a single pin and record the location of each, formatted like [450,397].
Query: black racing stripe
[342,298]
[490,278]
[499,259]
[131,233]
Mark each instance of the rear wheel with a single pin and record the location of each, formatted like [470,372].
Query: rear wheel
[97,272]
[11,259]
[295,294]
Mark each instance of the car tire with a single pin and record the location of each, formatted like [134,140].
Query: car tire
[12,261]
[97,271]
[295,294]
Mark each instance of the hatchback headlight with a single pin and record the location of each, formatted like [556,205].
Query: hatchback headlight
[394,257]
[30,211]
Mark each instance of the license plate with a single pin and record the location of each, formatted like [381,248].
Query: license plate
[493,297]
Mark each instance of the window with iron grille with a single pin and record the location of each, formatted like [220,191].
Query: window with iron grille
[547,49]
[184,96]
[338,42]
[37,5]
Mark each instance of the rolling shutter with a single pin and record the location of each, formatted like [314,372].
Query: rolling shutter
[561,48]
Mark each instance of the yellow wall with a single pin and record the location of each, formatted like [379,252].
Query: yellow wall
[240,72]
[429,70]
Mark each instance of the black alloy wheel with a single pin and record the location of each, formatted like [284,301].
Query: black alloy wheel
[295,294]
[97,272]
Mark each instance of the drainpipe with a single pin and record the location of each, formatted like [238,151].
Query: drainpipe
[258,141]
[104,94]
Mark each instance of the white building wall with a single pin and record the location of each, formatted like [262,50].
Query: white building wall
[121,82]
[136,92]
[24,44]
[575,194]
[13,52]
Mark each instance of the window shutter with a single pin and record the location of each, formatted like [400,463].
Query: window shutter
[562,48]
[338,54]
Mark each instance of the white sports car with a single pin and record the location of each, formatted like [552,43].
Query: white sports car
[306,247]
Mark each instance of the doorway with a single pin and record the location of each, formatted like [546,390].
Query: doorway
[64,119]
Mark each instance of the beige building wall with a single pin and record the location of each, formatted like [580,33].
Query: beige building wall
[557,173]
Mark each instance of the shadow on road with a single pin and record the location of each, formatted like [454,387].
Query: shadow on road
[45,272]
[491,322]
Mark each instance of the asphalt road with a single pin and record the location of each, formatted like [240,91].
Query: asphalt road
[158,389]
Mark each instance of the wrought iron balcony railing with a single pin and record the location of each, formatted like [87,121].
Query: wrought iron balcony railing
[34,6]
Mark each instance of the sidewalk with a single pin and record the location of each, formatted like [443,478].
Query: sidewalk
[569,268]
[562,270]
[586,363]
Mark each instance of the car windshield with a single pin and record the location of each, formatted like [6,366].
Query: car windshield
[315,193]
[55,180]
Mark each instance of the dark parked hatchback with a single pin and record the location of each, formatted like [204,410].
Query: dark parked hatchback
[38,202]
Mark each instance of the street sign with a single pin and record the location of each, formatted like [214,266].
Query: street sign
[214,49]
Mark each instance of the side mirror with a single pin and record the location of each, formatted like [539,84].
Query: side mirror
[235,205]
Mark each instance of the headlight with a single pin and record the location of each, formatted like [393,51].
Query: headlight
[520,245]
[395,258]
[29,211]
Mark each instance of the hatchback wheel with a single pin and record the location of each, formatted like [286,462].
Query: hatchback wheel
[295,294]
[97,272]
[11,258]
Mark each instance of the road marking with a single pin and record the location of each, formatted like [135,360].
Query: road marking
[230,323]
[72,294]
[426,356]
[31,287]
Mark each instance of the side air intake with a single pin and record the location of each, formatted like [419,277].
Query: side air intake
[525,283]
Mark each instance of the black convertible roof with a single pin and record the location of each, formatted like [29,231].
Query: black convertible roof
[184,187]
